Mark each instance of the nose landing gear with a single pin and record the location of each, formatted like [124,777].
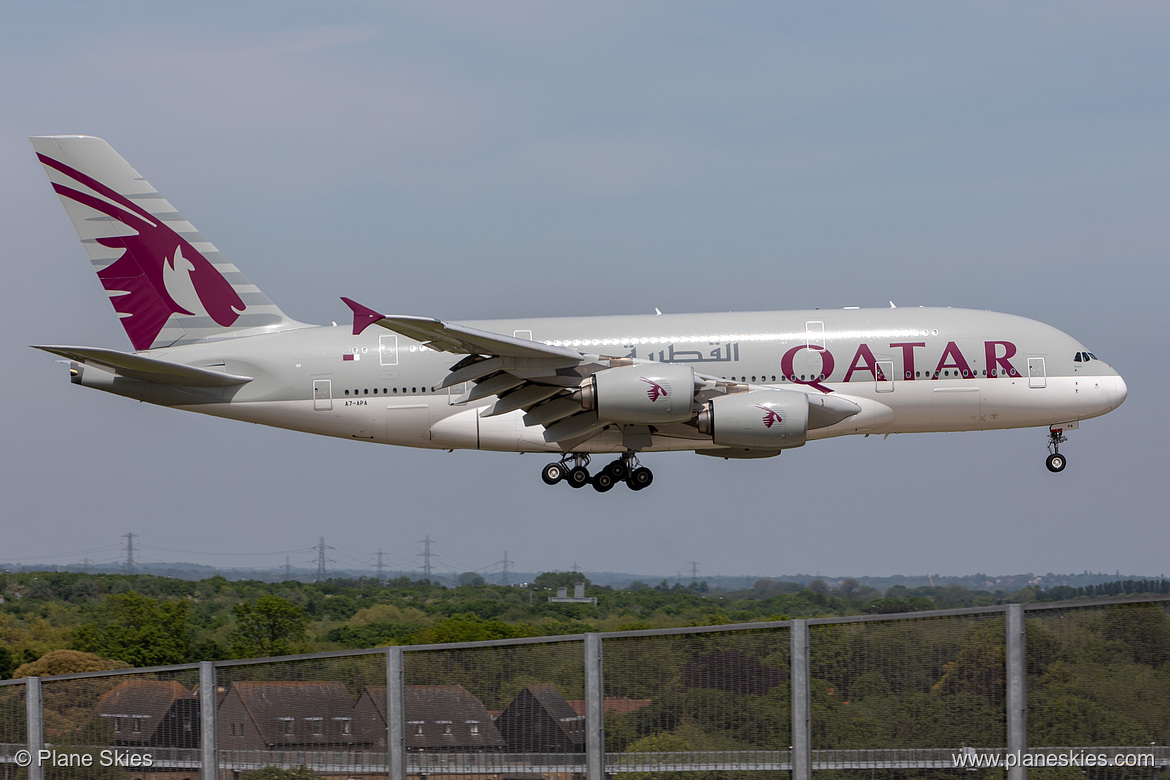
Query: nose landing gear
[1055,461]
[625,469]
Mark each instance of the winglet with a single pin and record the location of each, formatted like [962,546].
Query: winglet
[363,317]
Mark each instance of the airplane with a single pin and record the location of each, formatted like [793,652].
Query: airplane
[729,385]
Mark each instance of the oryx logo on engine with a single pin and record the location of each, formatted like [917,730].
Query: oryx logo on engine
[656,390]
[771,417]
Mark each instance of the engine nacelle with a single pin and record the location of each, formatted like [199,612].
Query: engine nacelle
[759,420]
[644,393]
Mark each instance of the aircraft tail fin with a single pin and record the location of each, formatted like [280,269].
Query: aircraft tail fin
[168,284]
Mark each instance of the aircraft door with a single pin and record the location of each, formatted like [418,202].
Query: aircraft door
[814,335]
[388,350]
[1037,377]
[322,395]
[885,376]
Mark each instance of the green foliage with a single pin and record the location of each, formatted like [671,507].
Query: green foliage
[138,630]
[472,628]
[267,626]
[551,580]
[470,578]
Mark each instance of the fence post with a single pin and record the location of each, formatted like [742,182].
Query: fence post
[1017,695]
[594,709]
[208,731]
[801,754]
[35,726]
[395,713]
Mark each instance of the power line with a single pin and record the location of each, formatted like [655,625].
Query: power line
[505,563]
[426,556]
[129,548]
[321,548]
[381,579]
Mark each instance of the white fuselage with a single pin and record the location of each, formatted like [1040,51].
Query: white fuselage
[911,370]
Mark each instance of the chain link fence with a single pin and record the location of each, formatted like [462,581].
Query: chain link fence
[317,713]
[930,682]
[516,709]
[13,726]
[1098,678]
[697,701]
[893,697]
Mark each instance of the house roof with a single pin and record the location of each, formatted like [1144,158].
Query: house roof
[149,700]
[548,699]
[614,705]
[271,703]
[447,716]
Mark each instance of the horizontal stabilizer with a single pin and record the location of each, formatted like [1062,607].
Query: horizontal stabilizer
[161,372]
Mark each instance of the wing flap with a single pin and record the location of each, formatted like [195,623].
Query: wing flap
[147,369]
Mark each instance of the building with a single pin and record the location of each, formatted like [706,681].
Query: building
[539,720]
[445,718]
[150,713]
[287,716]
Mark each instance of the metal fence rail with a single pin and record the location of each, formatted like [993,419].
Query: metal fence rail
[907,694]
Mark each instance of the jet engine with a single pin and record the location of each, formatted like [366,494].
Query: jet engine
[644,393]
[759,420]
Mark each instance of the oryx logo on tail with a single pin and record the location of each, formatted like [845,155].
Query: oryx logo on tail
[159,274]
[771,416]
[656,390]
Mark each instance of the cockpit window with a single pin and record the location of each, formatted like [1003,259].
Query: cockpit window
[1080,358]
[1085,357]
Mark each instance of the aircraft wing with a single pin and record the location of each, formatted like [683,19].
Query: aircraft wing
[459,339]
[147,369]
[538,379]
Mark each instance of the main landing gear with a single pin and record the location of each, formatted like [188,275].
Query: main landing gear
[1055,461]
[624,469]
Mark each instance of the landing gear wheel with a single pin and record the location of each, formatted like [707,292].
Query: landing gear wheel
[640,478]
[1055,462]
[578,477]
[618,470]
[553,473]
[603,481]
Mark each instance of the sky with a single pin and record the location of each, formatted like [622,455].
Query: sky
[466,160]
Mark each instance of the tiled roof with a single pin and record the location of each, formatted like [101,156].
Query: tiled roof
[271,704]
[440,716]
[145,700]
[613,705]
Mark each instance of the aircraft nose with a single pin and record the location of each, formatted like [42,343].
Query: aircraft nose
[1116,391]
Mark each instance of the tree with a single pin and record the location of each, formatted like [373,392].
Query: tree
[266,626]
[138,630]
[66,662]
[551,580]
